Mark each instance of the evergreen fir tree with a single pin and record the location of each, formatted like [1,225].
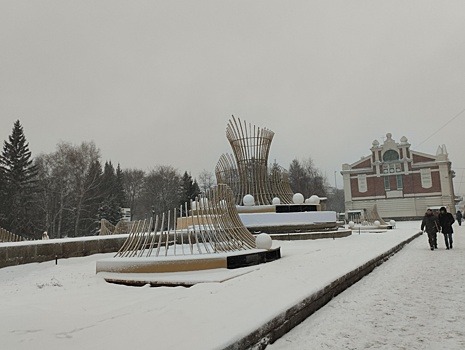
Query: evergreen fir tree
[189,189]
[93,181]
[119,188]
[195,189]
[18,183]
[3,187]
[110,206]
[298,178]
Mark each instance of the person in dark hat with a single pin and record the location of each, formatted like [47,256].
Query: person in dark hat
[445,221]
[430,223]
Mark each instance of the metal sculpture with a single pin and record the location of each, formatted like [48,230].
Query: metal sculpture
[366,217]
[211,226]
[107,228]
[246,172]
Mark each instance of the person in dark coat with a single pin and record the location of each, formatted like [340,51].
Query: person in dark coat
[445,221]
[458,216]
[430,223]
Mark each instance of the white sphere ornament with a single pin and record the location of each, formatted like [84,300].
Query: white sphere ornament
[248,200]
[263,241]
[392,223]
[377,223]
[314,199]
[351,224]
[298,198]
[276,201]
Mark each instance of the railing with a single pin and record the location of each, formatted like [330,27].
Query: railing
[7,236]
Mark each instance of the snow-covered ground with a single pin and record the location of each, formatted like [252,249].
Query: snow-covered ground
[68,306]
[416,300]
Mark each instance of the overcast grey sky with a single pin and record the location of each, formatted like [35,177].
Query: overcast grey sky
[155,82]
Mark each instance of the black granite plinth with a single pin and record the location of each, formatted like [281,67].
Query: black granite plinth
[295,208]
[250,259]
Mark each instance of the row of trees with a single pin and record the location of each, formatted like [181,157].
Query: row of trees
[68,192]
[73,192]
[306,178]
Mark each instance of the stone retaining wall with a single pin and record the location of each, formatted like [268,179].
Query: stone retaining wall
[16,253]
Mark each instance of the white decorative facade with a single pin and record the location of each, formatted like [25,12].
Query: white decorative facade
[400,181]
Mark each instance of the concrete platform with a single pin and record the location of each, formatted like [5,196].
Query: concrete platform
[171,270]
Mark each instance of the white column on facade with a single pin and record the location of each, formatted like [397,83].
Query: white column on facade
[347,188]
[447,191]
[406,166]
[377,163]
[405,149]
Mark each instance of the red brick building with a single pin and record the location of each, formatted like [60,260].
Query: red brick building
[400,181]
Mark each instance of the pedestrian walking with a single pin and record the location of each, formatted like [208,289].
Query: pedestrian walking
[458,216]
[430,224]
[445,222]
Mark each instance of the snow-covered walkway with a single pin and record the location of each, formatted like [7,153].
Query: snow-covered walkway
[68,306]
[416,300]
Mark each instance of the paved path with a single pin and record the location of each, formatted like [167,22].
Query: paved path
[416,300]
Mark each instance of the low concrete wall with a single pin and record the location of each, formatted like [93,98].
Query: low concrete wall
[283,323]
[311,235]
[25,252]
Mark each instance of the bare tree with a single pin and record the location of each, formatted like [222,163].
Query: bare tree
[133,184]
[206,180]
[81,159]
[161,191]
[319,183]
[44,204]
[68,185]
[55,190]
[336,200]
[307,179]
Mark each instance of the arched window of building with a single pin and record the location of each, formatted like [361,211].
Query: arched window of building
[390,156]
